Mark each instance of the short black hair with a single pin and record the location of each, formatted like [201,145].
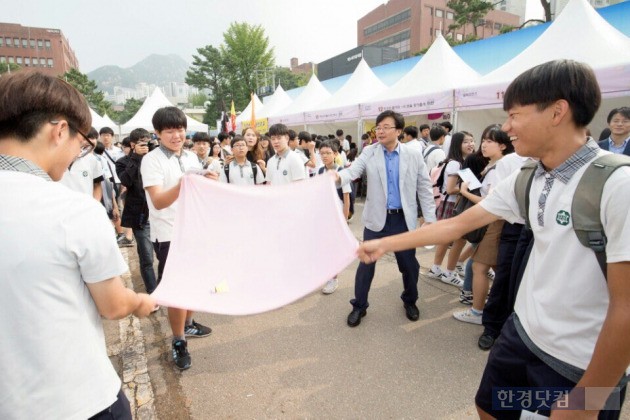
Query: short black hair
[201,136]
[552,81]
[339,132]
[92,134]
[411,130]
[497,135]
[236,139]
[169,117]
[292,135]
[624,110]
[106,130]
[126,142]
[331,145]
[424,127]
[399,120]
[304,136]
[437,132]
[448,125]
[222,136]
[137,134]
[279,130]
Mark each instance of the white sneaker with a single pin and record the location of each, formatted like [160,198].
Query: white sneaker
[452,279]
[434,274]
[490,274]
[460,270]
[330,287]
[467,316]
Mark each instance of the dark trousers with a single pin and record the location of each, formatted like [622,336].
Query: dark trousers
[161,252]
[407,265]
[145,256]
[119,410]
[511,261]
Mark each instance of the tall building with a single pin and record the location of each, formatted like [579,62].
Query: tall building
[347,62]
[412,25]
[558,5]
[46,49]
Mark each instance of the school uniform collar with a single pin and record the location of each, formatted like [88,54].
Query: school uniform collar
[580,158]
[18,164]
[169,153]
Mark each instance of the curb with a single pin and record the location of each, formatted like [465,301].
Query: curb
[135,375]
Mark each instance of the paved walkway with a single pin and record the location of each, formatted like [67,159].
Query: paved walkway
[302,361]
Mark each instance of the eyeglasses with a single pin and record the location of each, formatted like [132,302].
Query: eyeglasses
[624,122]
[84,149]
[385,128]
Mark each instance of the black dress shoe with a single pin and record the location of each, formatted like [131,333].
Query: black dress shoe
[486,341]
[413,314]
[354,318]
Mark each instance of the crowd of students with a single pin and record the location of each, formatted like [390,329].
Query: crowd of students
[412,177]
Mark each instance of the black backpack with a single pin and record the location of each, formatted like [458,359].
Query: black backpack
[226,169]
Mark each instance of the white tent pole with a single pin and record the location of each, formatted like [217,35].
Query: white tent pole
[454,113]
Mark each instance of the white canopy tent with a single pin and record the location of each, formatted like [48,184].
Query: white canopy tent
[97,121]
[152,103]
[428,87]
[293,115]
[580,34]
[274,103]
[341,110]
[109,122]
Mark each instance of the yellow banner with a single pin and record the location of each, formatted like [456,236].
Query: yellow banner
[262,125]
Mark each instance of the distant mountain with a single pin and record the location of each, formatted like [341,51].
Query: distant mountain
[155,69]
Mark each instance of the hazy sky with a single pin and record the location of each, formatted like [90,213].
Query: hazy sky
[124,32]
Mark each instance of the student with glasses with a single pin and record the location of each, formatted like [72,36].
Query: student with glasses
[395,174]
[60,266]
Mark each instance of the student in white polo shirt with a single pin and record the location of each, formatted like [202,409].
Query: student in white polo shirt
[86,173]
[570,324]
[285,166]
[241,171]
[162,171]
[60,266]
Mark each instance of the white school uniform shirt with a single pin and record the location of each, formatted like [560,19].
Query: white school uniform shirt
[62,370]
[242,175]
[162,167]
[285,169]
[563,297]
[81,175]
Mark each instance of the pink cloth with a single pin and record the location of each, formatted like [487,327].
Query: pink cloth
[241,250]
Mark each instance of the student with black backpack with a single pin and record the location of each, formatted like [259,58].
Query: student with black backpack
[571,320]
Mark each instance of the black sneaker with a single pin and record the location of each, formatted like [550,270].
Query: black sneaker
[181,357]
[197,330]
[486,341]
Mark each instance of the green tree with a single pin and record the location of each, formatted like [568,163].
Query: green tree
[208,72]
[289,80]
[469,12]
[245,50]
[4,67]
[198,99]
[132,106]
[89,89]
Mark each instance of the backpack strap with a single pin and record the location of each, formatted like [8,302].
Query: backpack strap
[586,205]
[428,151]
[254,171]
[226,169]
[321,170]
[521,189]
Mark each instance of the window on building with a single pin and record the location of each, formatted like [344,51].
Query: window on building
[400,41]
[11,60]
[9,42]
[437,33]
[3,59]
[459,37]
[18,61]
[449,15]
[1,42]
[24,43]
[390,21]
[40,44]
[16,42]
[50,62]
[439,13]
[429,10]
[497,26]
[431,31]
[449,35]
[47,43]
[32,43]
[27,61]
